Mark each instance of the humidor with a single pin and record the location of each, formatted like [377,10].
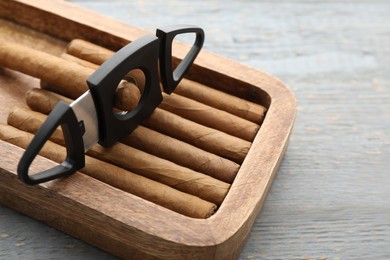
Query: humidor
[109,218]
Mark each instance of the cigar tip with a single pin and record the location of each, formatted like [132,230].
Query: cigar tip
[32,91]
[211,212]
[72,43]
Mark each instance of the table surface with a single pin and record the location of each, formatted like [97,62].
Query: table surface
[331,196]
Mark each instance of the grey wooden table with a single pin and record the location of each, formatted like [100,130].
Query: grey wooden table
[331,197]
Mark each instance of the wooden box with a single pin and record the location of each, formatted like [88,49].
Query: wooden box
[118,222]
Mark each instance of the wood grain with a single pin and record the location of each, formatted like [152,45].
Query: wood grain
[330,197]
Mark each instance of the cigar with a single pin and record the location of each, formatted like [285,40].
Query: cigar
[145,188]
[79,61]
[134,160]
[191,89]
[88,51]
[68,77]
[153,142]
[189,108]
[44,101]
[206,138]
[221,100]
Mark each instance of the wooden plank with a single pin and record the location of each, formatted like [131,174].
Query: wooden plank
[330,197]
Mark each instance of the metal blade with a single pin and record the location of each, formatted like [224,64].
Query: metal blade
[85,111]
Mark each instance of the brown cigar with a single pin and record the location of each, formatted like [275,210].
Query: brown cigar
[145,188]
[88,51]
[153,142]
[191,89]
[132,159]
[221,100]
[79,61]
[193,110]
[44,101]
[68,77]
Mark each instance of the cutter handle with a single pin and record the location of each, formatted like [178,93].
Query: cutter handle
[170,79]
[62,115]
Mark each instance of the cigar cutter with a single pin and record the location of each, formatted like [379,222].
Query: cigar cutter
[90,118]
